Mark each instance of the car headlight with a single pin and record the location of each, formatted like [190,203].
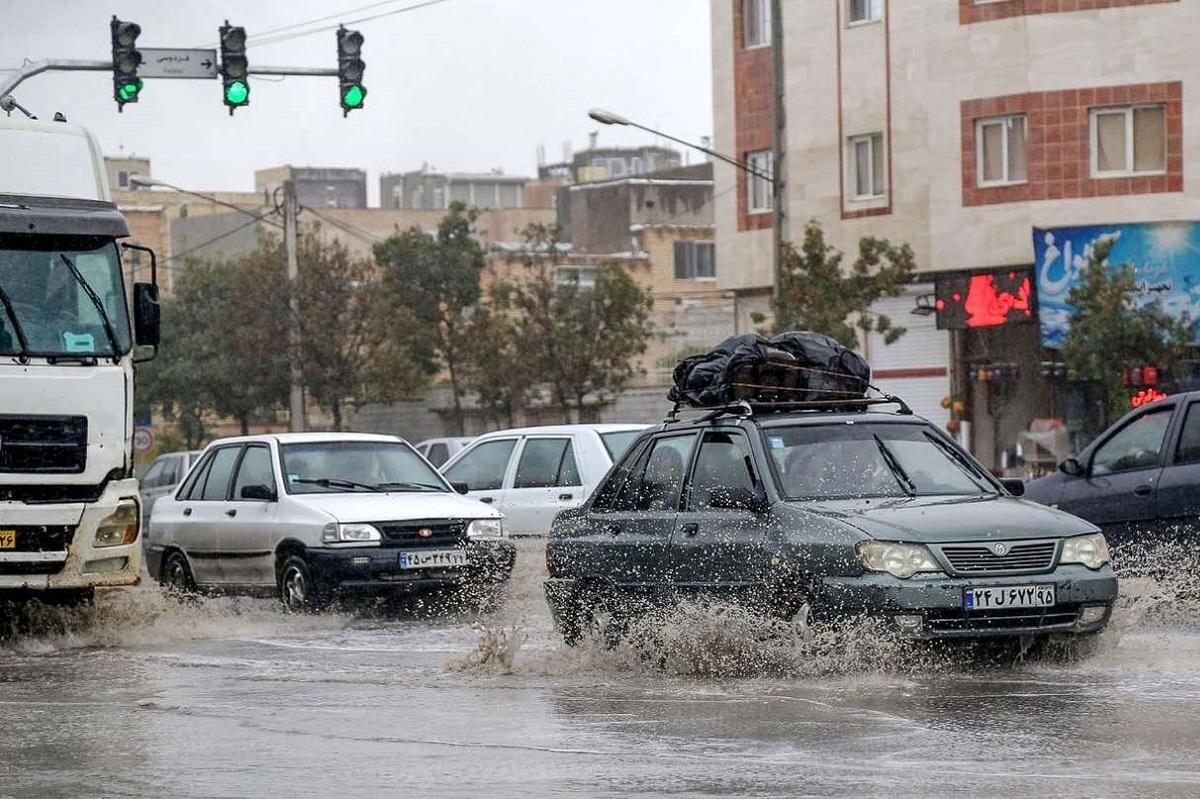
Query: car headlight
[335,533]
[119,527]
[1089,550]
[486,528]
[898,560]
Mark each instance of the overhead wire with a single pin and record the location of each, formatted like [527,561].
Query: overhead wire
[345,227]
[287,36]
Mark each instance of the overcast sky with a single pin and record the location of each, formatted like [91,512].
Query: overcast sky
[466,85]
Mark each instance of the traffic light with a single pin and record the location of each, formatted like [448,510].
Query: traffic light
[234,66]
[126,60]
[350,70]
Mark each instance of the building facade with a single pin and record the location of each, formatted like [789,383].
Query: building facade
[317,187]
[426,190]
[612,163]
[990,135]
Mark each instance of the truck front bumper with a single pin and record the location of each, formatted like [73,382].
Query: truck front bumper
[82,564]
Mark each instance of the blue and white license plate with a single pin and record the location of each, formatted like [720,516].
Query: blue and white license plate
[433,559]
[1009,596]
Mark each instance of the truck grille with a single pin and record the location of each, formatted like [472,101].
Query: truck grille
[1031,556]
[37,538]
[408,534]
[951,621]
[56,444]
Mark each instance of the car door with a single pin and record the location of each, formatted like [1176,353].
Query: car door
[1117,488]
[156,482]
[720,537]
[203,514]
[545,481]
[483,469]
[1177,499]
[249,531]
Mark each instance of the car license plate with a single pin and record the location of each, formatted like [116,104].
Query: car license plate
[433,559]
[1009,596]
[8,539]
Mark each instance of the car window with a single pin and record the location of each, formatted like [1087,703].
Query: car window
[546,463]
[657,480]
[154,475]
[195,484]
[323,467]
[605,498]
[1137,445]
[216,483]
[438,454]
[254,470]
[617,443]
[172,471]
[483,468]
[724,465]
[1189,439]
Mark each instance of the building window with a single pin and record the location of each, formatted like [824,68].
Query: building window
[756,19]
[866,166]
[760,191]
[1000,147]
[695,260]
[1129,141]
[862,11]
[583,277]
[123,179]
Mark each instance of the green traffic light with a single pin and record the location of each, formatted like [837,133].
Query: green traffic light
[353,96]
[128,91]
[237,93]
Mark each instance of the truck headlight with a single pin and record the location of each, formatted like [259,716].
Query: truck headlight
[119,527]
[334,533]
[1089,550]
[486,528]
[898,560]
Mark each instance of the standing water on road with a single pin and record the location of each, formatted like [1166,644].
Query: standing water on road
[233,697]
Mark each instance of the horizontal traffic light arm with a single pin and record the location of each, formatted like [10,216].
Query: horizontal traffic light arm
[11,80]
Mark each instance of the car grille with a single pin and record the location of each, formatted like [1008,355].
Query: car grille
[408,534]
[951,621]
[1031,556]
[56,444]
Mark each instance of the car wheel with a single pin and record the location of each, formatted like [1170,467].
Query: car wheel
[594,614]
[297,588]
[176,575]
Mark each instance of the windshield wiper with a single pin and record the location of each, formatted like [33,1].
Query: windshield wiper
[95,298]
[337,482]
[20,331]
[411,486]
[964,463]
[909,486]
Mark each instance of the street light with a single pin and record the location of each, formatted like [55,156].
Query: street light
[609,118]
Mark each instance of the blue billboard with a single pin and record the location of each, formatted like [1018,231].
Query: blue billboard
[1165,256]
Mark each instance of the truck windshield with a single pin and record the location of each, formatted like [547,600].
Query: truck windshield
[49,306]
[870,460]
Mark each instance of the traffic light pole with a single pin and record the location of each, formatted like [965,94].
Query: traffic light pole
[9,82]
[291,235]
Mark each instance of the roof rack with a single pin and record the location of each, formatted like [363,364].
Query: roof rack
[748,408]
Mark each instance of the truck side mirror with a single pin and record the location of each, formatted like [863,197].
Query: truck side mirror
[147,314]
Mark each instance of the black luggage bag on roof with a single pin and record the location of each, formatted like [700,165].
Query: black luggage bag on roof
[793,367]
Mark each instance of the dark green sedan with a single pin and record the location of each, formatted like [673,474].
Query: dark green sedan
[830,515]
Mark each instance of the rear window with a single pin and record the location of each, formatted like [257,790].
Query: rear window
[617,443]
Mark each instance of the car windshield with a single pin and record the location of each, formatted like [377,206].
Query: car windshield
[331,467]
[46,302]
[617,443]
[870,460]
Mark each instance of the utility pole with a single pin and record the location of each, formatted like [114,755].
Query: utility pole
[290,238]
[779,185]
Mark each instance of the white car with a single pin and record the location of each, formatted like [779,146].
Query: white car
[439,450]
[532,473]
[311,515]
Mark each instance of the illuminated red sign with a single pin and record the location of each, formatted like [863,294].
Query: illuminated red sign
[1146,396]
[984,300]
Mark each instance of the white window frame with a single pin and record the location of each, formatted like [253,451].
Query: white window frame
[754,161]
[851,145]
[875,13]
[692,248]
[1094,141]
[1005,120]
[764,28]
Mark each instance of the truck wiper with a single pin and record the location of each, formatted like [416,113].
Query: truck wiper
[337,482]
[95,298]
[909,486]
[20,331]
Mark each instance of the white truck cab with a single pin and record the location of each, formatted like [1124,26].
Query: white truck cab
[69,508]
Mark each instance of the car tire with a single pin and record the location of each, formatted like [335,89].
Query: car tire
[594,614]
[176,575]
[298,590]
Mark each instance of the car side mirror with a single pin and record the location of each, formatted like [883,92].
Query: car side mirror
[259,492]
[736,498]
[1014,486]
[147,315]
[461,488]
[1072,467]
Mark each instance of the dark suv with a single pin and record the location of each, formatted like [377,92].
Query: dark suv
[830,513]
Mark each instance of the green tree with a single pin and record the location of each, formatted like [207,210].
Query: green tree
[436,281]
[1111,331]
[815,294]
[496,371]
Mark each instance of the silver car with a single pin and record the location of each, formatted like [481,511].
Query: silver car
[161,478]
[314,515]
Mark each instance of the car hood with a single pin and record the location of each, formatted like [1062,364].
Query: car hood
[396,507]
[943,519]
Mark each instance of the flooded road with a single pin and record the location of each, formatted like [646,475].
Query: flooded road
[146,697]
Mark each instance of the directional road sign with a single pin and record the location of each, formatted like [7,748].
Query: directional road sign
[165,62]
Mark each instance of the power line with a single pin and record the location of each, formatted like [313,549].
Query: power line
[283,37]
[295,25]
[215,200]
[346,227]
[213,240]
